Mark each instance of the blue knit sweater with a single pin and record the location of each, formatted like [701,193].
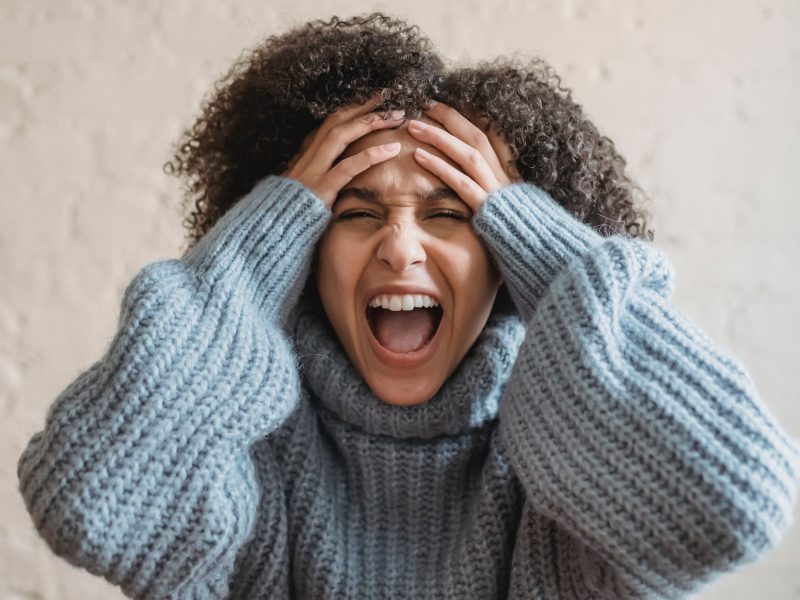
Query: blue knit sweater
[593,443]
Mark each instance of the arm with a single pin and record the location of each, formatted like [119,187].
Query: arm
[142,473]
[624,422]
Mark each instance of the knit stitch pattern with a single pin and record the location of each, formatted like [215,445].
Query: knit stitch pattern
[593,443]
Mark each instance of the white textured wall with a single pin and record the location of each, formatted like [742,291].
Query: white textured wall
[702,99]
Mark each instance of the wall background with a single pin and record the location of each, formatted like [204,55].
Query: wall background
[702,99]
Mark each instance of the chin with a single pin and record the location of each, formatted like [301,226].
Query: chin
[402,394]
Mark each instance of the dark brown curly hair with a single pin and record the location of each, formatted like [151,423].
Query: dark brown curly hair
[275,94]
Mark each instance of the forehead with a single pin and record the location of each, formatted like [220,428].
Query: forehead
[401,172]
[383,136]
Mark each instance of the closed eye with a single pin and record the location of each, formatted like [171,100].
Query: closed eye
[353,214]
[450,215]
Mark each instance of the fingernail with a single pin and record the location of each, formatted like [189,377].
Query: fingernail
[414,124]
[391,147]
[434,103]
[397,114]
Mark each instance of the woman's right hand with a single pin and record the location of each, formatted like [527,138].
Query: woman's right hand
[320,149]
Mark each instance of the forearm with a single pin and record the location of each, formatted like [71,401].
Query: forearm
[532,239]
[261,249]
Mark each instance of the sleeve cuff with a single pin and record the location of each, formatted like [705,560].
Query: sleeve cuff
[263,245]
[532,238]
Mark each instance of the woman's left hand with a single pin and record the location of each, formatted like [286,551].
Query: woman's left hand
[480,155]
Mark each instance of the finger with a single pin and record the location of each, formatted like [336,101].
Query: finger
[461,126]
[341,136]
[348,168]
[498,144]
[323,142]
[472,158]
[342,114]
[501,160]
[463,185]
[348,111]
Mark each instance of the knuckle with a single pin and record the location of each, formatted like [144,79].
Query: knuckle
[475,158]
[479,139]
[512,170]
[370,118]
[337,116]
[337,135]
[345,167]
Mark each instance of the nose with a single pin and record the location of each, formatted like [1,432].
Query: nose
[400,248]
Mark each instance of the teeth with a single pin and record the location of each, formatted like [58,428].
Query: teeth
[396,302]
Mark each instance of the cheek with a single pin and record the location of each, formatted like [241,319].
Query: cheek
[469,268]
[338,267]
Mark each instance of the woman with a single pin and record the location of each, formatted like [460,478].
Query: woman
[382,372]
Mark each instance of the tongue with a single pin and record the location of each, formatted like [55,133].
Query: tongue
[405,330]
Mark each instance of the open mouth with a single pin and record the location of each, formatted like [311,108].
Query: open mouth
[404,332]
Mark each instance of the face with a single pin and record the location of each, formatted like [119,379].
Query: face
[395,238]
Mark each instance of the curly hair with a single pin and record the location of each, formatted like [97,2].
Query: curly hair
[278,92]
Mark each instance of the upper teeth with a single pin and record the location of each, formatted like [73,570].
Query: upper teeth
[397,302]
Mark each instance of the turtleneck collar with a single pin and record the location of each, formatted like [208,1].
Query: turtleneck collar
[468,399]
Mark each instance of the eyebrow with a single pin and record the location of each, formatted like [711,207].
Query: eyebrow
[373,195]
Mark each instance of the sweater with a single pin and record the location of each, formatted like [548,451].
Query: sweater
[593,443]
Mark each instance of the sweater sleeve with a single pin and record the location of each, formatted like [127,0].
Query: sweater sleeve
[623,421]
[142,473]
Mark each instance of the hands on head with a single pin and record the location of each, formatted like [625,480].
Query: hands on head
[481,155]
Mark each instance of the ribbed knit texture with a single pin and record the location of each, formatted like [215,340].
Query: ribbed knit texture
[592,444]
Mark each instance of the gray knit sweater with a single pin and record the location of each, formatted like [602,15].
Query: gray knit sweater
[593,443]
